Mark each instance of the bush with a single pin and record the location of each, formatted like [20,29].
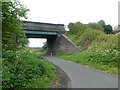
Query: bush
[102,56]
[91,35]
[22,66]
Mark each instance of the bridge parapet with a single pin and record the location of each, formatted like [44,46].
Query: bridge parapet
[28,25]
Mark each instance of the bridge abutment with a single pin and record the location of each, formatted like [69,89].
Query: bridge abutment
[60,44]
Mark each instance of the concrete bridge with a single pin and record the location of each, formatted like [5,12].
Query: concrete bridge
[57,42]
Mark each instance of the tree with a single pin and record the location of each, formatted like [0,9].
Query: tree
[70,26]
[12,14]
[108,29]
[102,23]
[97,26]
[75,27]
[45,47]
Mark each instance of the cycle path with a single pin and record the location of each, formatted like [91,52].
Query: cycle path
[84,77]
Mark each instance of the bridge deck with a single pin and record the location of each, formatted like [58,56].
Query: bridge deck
[28,25]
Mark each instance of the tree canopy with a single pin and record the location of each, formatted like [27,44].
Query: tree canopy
[80,27]
[12,14]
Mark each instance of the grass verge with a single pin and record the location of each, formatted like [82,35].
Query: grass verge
[97,60]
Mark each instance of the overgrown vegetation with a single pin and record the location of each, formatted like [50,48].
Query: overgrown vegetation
[21,66]
[98,48]
[22,69]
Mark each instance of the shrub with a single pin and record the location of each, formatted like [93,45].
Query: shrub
[91,35]
[102,56]
[22,66]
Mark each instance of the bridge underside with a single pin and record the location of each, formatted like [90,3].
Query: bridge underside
[39,36]
[50,36]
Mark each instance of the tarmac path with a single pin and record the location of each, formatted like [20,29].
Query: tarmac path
[84,77]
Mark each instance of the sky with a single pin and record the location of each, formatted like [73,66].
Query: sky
[66,11]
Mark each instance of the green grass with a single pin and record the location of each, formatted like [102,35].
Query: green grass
[95,58]
[40,51]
